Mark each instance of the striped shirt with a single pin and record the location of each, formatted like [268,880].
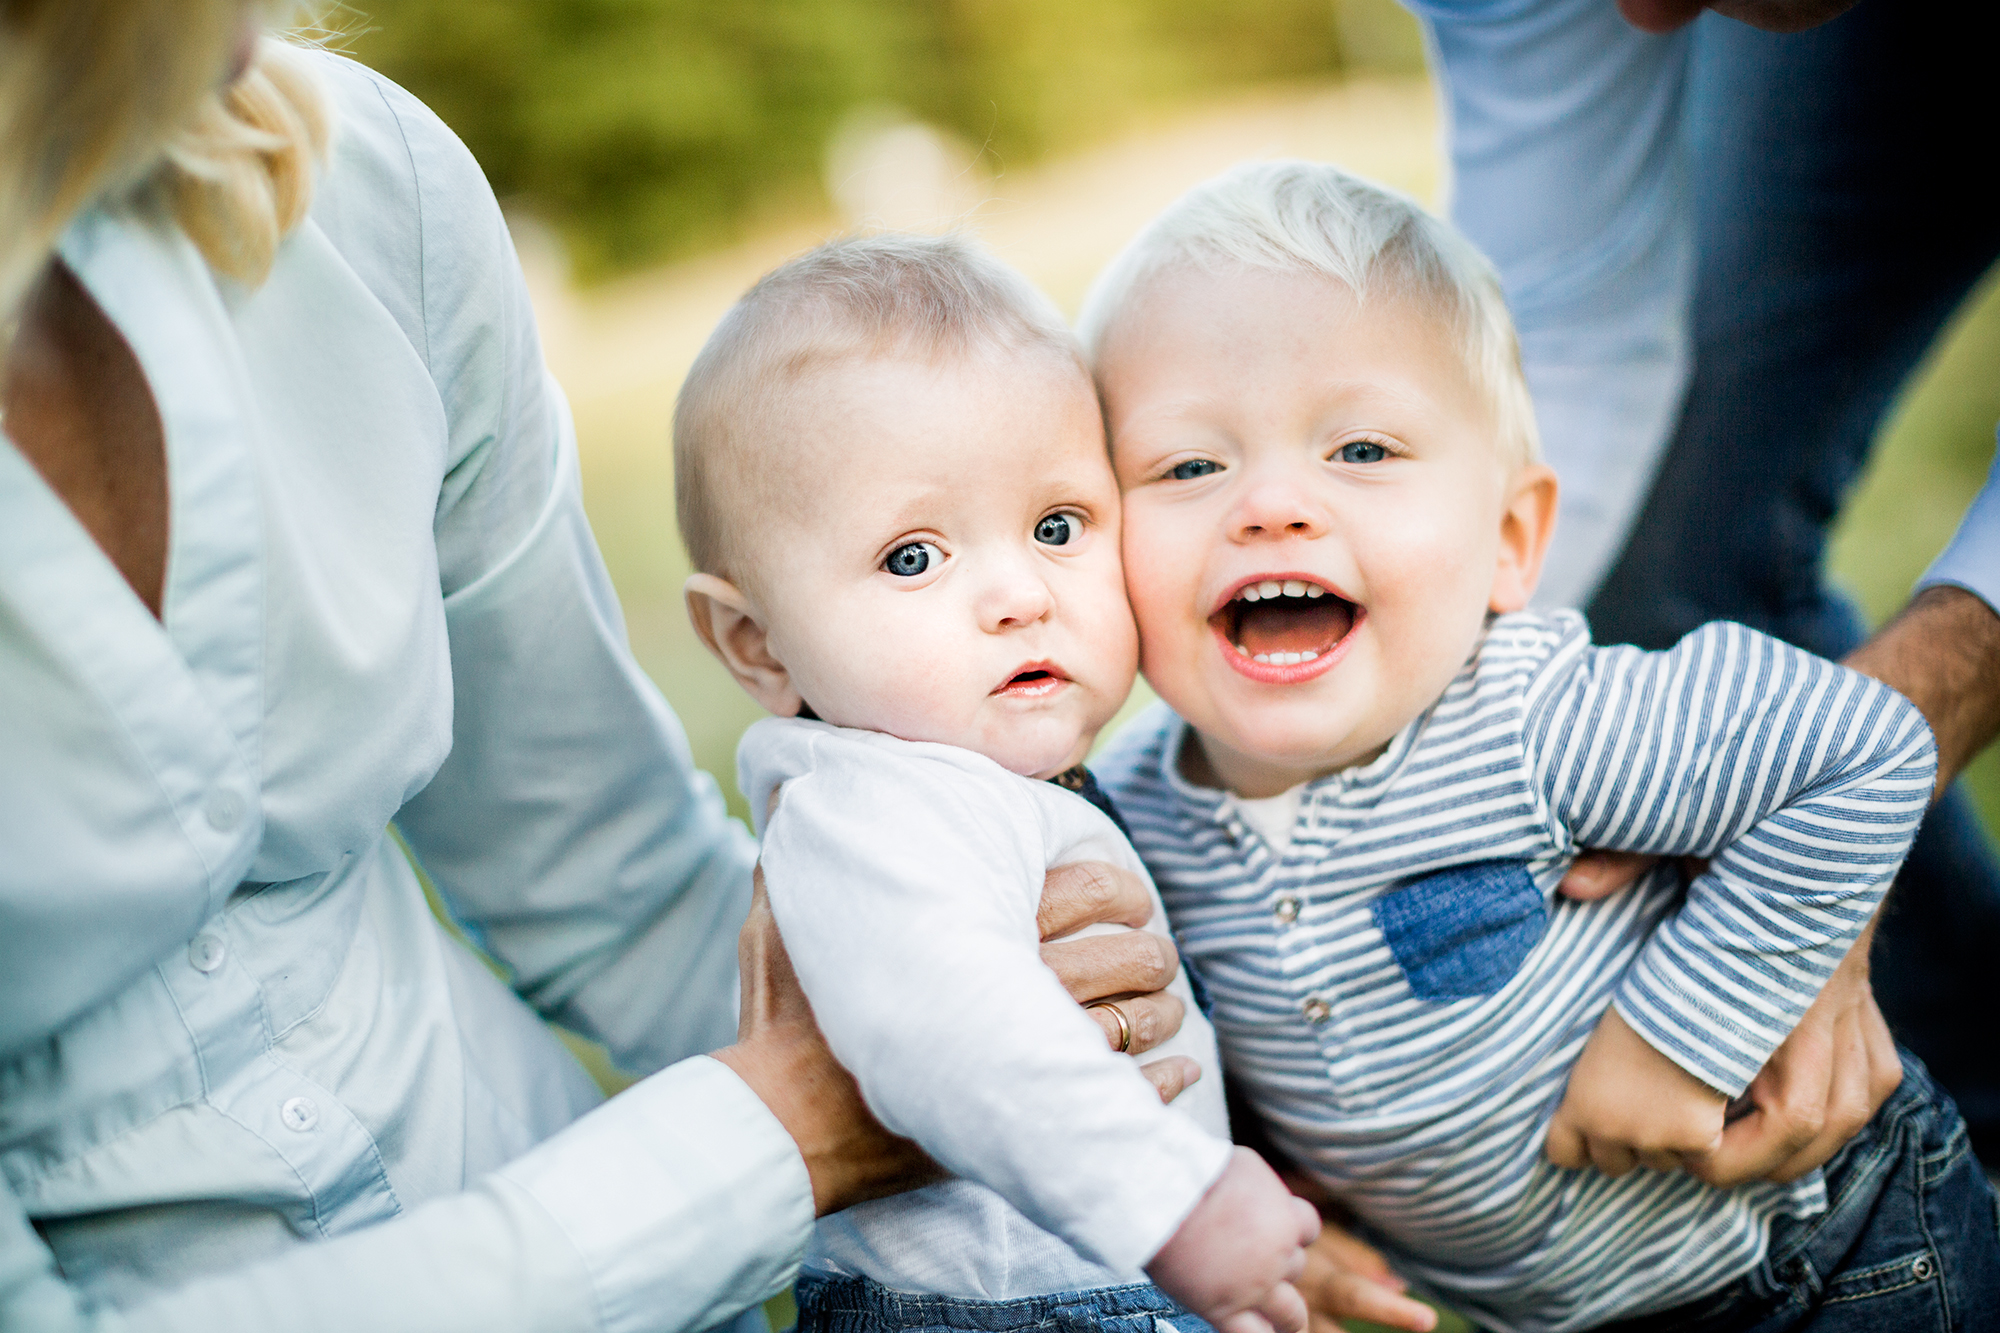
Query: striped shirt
[1401,994]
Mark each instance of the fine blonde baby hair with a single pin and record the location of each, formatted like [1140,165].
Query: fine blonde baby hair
[1313,217]
[885,296]
[129,99]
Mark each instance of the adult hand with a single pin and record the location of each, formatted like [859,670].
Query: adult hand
[1817,1090]
[780,1053]
[1347,1278]
[1130,967]
[1822,1084]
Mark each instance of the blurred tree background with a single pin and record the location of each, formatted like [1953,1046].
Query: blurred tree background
[644,130]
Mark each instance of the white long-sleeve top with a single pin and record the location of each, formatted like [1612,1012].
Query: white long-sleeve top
[905,878]
[228,1024]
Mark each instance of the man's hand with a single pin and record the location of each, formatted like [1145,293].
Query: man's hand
[1347,1278]
[1627,1105]
[1817,1090]
[1131,968]
[780,1053]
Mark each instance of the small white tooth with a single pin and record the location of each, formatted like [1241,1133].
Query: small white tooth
[1250,594]
[1308,655]
[1241,649]
[1270,588]
[1265,658]
[1293,659]
[1314,590]
[1295,587]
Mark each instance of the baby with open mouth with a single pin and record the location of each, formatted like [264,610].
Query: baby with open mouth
[1374,766]
[892,475]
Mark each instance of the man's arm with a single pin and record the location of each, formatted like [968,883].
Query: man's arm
[1942,653]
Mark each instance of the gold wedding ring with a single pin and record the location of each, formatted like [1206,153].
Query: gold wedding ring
[1124,1024]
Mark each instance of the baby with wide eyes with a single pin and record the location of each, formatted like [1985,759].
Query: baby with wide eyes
[892,477]
[1375,763]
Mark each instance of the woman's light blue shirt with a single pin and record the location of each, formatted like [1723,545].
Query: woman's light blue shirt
[229,1024]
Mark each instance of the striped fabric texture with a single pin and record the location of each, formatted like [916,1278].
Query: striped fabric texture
[1402,995]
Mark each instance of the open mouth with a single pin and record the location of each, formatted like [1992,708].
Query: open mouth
[1033,680]
[1284,628]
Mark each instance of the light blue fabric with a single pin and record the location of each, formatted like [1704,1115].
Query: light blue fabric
[1563,124]
[228,1023]
[1972,561]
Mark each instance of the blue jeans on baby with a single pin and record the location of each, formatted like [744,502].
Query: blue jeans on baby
[861,1305]
[1910,1241]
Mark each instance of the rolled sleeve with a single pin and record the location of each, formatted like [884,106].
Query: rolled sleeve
[1972,561]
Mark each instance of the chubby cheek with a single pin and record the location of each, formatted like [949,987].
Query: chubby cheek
[1162,579]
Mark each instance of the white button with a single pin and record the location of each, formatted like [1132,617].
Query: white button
[206,952]
[223,810]
[299,1114]
[1316,1010]
[1286,909]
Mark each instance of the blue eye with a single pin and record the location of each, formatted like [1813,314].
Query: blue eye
[912,559]
[1056,530]
[1194,467]
[1361,451]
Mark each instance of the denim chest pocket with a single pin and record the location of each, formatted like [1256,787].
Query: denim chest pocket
[1463,932]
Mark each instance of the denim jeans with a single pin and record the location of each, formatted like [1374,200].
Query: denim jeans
[1910,1241]
[1826,265]
[860,1305]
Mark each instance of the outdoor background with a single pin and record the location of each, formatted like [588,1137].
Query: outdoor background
[656,156]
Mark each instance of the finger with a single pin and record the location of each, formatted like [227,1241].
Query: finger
[1356,1255]
[1351,1296]
[1089,892]
[1853,1099]
[1656,1160]
[1596,874]
[1565,1146]
[1309,1225]
[1247,1321]
[1285,1308]
[1171,1075]
[770,988]
[1130,962]
[1152,1018]
[1611,1158]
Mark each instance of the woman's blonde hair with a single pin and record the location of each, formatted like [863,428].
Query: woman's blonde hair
[107,98]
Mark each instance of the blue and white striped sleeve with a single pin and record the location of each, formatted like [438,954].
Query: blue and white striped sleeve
[1804,783]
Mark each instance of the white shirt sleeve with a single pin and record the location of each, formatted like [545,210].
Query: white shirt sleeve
[669,1208]
[906,884]
[1563,124]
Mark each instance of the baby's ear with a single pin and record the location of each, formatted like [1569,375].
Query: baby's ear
[732,627]
[1526,524]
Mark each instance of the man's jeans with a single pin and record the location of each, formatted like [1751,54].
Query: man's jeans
[1910,1242]
[859,1305]
[1830,254]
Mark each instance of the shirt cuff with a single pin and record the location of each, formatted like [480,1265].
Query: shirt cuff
[684,1196]
[1972,561]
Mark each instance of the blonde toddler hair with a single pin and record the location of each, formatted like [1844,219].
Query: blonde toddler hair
[1312,217]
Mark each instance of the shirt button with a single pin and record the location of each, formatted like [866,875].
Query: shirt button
[223,810]
[299,1114]
[206,952]
[1316,1010]
[1286,909]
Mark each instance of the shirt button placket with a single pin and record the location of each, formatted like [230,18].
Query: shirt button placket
[206,952]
